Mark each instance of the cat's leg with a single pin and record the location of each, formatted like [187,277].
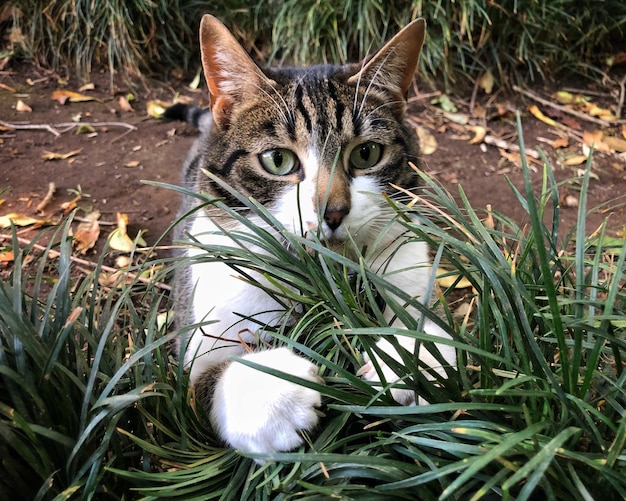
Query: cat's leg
[407,267]
[404,396]
[254,411]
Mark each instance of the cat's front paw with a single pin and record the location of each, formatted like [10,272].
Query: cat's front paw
[256,412]
[369,373]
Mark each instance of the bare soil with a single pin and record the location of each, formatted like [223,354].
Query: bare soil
[112,162]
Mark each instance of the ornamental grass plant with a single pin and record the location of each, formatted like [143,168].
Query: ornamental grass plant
[94,406]
[517,40]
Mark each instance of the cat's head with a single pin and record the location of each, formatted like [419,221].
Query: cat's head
[312,144]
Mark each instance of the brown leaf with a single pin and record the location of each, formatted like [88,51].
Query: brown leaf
[7,256]
[87,232]
[560,142]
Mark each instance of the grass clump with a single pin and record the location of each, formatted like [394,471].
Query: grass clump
[514,39]
[92,405]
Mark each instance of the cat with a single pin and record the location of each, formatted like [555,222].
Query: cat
[312,145]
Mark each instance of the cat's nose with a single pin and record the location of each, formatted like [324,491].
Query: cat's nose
[334,216]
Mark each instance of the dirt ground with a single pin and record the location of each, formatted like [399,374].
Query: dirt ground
[108,163]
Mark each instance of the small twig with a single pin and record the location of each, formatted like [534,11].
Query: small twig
[72,125]
[30,127]
[577,114]
[52,254]
[48,198]
[501,143]
[66,126]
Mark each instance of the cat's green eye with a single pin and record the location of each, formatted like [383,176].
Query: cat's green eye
[279,162]
[366,155]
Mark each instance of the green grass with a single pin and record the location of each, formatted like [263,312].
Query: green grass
[93,406]
[517,40]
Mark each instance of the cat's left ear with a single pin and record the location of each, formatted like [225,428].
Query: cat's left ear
[393,67]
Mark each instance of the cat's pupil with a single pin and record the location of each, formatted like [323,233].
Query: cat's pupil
[278,159]
[365,152]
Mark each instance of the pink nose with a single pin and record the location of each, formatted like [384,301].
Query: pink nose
[334,216]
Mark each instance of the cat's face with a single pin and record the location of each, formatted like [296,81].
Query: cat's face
[312,144]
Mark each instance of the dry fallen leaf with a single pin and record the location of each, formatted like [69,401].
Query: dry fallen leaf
[486,81]
[124,104]
[427,141]
[62,96]
[560,142]
[569,201]
[7,256]
[575,160]
[51,155]
[119,239]
[538,114]
[132,163]
[595,139]
[156,108]
[22,107]
[87,86]
[615,143]
[17,219]
[87,233]
[479,134]
[449,278]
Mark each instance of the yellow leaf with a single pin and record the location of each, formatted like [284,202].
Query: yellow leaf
[446,279]
[17,220]
[51,155]
[595,111]
[538,114]
[85,129]
[428,143]
[156,108]
[575,160]
[615,143]
[479,134]
[486,81]
[62,96]
[595,139]
[119,239]
[565,97]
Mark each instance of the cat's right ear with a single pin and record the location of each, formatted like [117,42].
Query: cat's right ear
[230,73]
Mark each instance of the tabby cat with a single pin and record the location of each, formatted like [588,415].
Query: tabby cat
[312,145]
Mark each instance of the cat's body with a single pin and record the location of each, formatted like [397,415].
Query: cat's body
[314,146]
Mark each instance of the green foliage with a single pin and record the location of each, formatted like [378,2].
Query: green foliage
[91,405]
[520,38]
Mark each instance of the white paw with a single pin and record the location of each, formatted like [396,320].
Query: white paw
[256,412]
[403,396]
[369,373]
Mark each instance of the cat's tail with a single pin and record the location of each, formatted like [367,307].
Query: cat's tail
[200,118]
